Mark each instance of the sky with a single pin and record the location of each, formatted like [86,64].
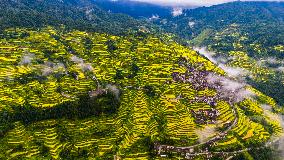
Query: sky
[192,2]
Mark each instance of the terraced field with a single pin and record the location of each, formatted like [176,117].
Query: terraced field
[259,62]
[78,95]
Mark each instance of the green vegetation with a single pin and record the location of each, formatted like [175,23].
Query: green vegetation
[73,14]
[252,31]
[78,82]
[77,95]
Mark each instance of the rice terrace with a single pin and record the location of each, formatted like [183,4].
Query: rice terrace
[84,79]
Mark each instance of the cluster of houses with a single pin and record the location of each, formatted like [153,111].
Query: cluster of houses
[205,116]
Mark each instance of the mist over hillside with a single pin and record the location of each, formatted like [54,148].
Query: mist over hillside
[255,28]
[134,9]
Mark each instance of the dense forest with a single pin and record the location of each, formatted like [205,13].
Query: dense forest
[73,14]
[134,8]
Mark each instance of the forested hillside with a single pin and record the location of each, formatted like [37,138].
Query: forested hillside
[253,17]
[134,8]
[73,14]
[253,30]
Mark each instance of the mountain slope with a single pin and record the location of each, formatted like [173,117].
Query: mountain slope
[247,14]
[71,94]
[74,14]
[77,94]
[252,32]
[133,8]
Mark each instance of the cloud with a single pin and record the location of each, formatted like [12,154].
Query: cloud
[177,11]
[244,93]
[230,85]
[210,55]
[80,62]
[77,59]
[154,17]
[191,24]
[266,107]
[46,70]
[276,143]
[27,58]
[191,3]
[49,68]
[235,72]
[85,67]
[229,88]
[271,60]
[113,90]
[281,69]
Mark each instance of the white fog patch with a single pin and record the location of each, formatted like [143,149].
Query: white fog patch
[164,21]
[230,85]
[235,72]
[49,68]
[76,59]
[85,67]
[154,17]
[281,146]
[89,13]
[272,60]
[191,24]
[244,94]
[113,90]
[260,62]
[27,58]
[177,11]
[235,90]
[210,55]
[223,60]
[278,140]
[280,69]
[274,117]
[81,64]
[46,71]
[266,107]
[59,68]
